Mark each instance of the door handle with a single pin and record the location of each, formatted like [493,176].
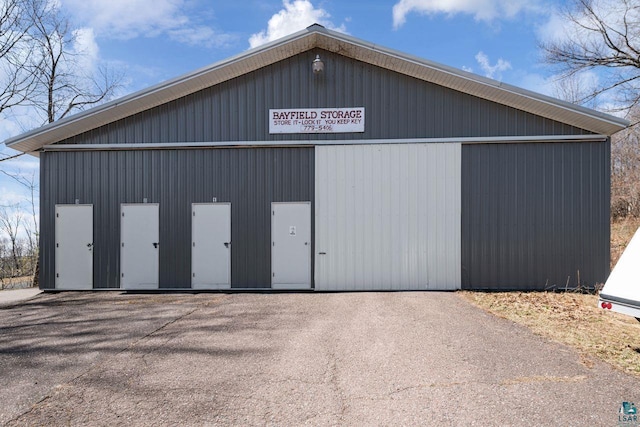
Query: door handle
[227,244]
[155,245]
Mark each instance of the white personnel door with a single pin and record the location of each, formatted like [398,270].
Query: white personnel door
[291,245]
[74,247]
[139,246]
[211,246]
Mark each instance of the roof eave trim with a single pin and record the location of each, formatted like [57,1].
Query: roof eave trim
[311,143]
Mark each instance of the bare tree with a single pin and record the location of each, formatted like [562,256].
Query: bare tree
[604,36]
[30,184]
[575,89]
[3,263]
[10,221]
[16,77]
[63,85]
[41,64]
[625,171]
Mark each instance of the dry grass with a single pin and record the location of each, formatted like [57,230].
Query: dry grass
[572,319]
[16,282]
[621,232]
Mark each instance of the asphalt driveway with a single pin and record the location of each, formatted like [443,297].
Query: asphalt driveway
[415,358]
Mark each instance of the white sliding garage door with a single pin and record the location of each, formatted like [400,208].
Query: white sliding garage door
[388,217]
[74,247]
[139,246]
[211,246]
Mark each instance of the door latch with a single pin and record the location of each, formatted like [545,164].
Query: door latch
[155,245]
[227,244]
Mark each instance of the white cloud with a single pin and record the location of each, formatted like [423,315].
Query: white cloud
[11,194]
[17,120]
[24,166]
[295,16]
[86,48]
[128,19]
[553,29]
[9,128]
[538,83]
[200,35]
[492,71]
[482,10]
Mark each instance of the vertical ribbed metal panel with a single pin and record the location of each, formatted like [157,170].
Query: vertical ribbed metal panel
[535,216]
[396,105]
[47,279]
[388,217]
[249,178]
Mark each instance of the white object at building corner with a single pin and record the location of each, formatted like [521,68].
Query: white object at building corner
[621,292]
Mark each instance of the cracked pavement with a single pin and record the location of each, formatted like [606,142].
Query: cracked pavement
[404,358]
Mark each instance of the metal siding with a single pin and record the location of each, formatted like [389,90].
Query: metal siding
[46,279]
[535,216]
[249,178]
[396,105]
[388,217]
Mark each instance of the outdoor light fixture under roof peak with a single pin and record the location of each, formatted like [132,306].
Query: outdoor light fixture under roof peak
[318,65]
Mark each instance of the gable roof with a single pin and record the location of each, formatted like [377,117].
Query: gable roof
[312,37]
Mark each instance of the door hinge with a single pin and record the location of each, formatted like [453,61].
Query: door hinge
[122,213]
[194,274]
[121,274]
[57,245]
[122,244]
[194,213]
[194,244]
[57,215]
[273,274]
[58,275]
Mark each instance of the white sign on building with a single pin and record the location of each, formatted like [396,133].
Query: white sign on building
[316,120]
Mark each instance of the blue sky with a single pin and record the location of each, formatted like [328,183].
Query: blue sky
[150,41]
[453,37]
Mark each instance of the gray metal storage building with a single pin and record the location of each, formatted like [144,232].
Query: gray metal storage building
[383,171]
